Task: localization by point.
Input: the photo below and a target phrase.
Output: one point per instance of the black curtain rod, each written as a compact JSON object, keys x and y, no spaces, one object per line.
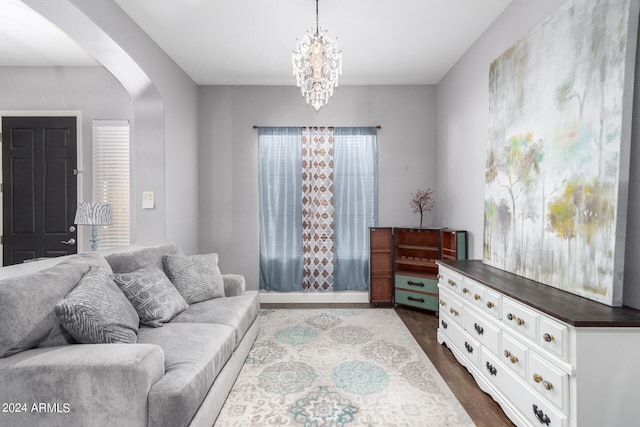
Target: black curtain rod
{"x":377,"y":126}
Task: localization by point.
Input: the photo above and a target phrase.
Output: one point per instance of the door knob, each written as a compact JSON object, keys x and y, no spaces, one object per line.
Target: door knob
{"x":69,"y":242}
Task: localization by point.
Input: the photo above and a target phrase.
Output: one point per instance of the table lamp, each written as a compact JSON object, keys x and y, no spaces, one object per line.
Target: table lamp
{"x":94,"y":214}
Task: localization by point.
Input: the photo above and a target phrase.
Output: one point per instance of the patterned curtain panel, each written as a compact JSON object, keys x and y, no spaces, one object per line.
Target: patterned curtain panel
{"x":317,"y":209}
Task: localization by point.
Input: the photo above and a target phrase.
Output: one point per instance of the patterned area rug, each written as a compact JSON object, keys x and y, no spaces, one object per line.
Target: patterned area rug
{"x":333,"y":367}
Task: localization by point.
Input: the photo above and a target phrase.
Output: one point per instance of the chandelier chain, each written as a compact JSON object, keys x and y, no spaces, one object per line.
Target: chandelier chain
{"x":317,"y":19}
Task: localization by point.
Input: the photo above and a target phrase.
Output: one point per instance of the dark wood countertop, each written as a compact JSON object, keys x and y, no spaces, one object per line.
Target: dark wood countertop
{"x":564,"y":306}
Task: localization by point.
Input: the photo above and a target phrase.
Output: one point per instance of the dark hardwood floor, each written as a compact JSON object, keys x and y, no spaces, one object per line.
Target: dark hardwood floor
{"x":423,"y":325}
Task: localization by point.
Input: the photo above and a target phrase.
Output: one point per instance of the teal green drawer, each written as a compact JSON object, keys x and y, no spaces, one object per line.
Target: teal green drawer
{"x":416,"y":284}
{"x":428,"y":302}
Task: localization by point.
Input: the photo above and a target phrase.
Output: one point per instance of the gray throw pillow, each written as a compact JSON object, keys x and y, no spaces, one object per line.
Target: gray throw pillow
{"x":152,"y":295}
{"x":126,"y":262}
{"x":96,"y":312}
{"x":27,"y":304}
{"x":196,"y":277}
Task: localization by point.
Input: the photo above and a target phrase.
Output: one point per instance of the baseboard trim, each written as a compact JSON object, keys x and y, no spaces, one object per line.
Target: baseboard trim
{"x":269,"y":297}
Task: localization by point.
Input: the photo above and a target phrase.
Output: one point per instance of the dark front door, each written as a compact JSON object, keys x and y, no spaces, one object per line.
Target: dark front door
{"x":39,"y":187}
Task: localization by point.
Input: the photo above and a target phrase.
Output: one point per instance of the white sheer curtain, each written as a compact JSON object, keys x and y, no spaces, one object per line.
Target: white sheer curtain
{"x":280,"y":171}
{"x":354,"y":201}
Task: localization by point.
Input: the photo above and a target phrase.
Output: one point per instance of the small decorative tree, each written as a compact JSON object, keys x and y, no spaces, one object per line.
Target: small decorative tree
{"x":422,"y":201}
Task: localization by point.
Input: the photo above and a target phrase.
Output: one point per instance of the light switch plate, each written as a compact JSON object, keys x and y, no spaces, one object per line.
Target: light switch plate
{"x":148,"y":201}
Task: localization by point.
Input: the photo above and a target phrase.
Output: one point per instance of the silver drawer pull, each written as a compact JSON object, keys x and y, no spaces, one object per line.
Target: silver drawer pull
{"x":479,"y":329}
{"x":468,"y":347}
{"x":541,"y":416}
{"x":492,"y":370}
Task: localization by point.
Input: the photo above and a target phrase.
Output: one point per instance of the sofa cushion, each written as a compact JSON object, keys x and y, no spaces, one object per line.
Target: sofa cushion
{"x":194,"y":354}
{"x":126,"y":262}
{"x":234,"y":284}
{"x":239,"y":312}
{"x":196,"y":277}
{"x":93,"y":258}
{"x":96,"y":312}
{"x":27,"y":314}
{"x":99,"y":384}
{"x":35,"y":266}
{"x":152,"y":295}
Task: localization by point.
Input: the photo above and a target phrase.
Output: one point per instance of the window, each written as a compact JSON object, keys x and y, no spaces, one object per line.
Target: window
{"x":111,"y":183}
{"x":318,"y":197}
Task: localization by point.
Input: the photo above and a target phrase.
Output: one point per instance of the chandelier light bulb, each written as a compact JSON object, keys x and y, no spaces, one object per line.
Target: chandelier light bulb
{"x":317,"y":63}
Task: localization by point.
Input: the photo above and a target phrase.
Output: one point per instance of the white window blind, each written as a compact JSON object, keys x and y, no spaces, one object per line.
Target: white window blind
{"x":111,"y":178}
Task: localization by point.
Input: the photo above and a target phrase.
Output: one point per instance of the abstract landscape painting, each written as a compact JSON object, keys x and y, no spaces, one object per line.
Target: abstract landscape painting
{"x":557,"y":168}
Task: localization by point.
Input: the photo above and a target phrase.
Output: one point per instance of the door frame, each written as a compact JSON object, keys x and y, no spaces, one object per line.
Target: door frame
{"x":79,"y":141}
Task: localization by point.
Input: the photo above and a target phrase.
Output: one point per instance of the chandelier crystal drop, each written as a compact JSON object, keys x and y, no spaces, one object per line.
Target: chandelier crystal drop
{"x":317,"y":63}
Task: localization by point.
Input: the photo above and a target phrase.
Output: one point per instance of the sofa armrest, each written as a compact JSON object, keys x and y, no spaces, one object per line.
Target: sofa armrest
{"x":234,"y":284}
{"x":80,"y":384}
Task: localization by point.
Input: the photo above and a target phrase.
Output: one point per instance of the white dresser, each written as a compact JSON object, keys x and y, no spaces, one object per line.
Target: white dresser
{"x":548,"y":357}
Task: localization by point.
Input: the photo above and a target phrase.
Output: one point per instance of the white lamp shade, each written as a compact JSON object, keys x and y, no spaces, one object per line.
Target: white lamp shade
{"x":94,"y":214}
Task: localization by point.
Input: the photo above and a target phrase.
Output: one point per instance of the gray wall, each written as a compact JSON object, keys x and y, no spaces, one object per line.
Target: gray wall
{"x":229,"y":155}
{"x":165,"y":139}
{"x":91,"y":90}
{"x":462,"y":109}
{"x":463,"y":113}
{"x":169,"y":164}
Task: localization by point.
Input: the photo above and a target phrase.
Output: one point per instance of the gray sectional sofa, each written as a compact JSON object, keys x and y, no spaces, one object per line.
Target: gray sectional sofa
{"x":175,"y":375}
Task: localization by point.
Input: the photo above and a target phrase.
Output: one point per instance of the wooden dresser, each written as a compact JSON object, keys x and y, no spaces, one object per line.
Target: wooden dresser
{"x":548,"y":357}
{"x":416,"y":251}
{"x":402,"y":263}
{"x":380,"y":266}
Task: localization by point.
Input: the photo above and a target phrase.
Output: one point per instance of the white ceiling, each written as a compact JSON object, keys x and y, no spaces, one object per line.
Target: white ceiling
{"x":249,"y":42}
{"x":26,"y":38}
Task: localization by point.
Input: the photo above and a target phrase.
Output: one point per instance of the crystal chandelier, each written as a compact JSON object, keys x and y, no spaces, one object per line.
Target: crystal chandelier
{"x":317,"y":63}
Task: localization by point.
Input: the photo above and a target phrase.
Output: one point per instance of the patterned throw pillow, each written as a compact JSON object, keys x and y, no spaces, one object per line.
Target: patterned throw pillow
{"x":96,"y":312}
{"x":196,"y":277}
{"x":152,"y":295}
